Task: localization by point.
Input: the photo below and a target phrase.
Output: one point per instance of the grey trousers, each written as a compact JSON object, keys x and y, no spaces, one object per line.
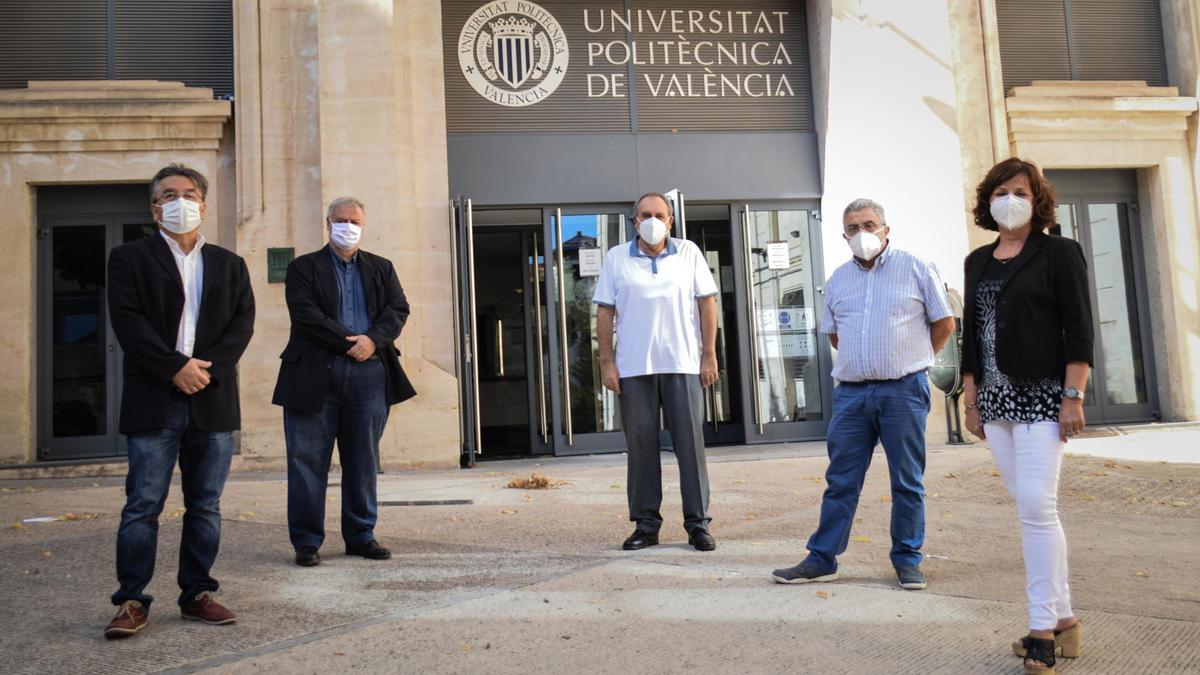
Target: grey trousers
{"x":682,"y":401}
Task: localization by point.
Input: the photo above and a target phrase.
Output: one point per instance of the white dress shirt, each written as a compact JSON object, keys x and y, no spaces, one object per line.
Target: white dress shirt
{"x":191,"y":270}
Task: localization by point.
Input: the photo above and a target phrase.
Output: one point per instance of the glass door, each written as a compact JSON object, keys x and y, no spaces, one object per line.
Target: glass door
{"x":788,"y":376}
{"x":1119,"y":389}
{"x":586,"y":416}
{"x":80,"y":360}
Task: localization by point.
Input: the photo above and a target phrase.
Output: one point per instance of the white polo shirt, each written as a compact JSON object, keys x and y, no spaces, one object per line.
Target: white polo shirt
{"x":658,"y":322}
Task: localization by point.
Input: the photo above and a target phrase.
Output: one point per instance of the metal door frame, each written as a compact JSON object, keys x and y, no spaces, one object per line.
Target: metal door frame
{"x":1097,"y":411}
{"x":112,"y":444}
{"x":747,"y":347}
{"x":566,"y":442}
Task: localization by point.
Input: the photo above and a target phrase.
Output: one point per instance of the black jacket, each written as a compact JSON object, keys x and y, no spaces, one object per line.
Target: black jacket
{"x":311,"y":290}
{"x":1044,"y":313}
{"x":145,"y":303}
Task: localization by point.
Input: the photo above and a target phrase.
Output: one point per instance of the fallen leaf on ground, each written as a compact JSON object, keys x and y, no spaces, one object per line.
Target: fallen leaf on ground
{"x":1097,"y":474}
{"x":885,"y":498}
{"x":739,"y":482}
{"x":824,"y":595}
{"x":79,"y":516}
{"x":245,"y":515}
{"x":46,"y":553}
{"x":757,"y":543}
{"x":948,"y":516}
{"x":536,"y":481}
{"x":1141,"y":573}
{"x":615,"y":486}
{"x":995,"y":472}
{"x":18,"y":526}
{"x":467,"y":647}
{"x":1181,"y":502}
{"x":950,"y":475}
{"x":508,"y":511}
{"x":861,"y":538}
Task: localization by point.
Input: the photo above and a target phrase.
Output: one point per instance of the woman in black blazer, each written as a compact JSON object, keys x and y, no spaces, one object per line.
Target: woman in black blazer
{"x":1027,"y":352}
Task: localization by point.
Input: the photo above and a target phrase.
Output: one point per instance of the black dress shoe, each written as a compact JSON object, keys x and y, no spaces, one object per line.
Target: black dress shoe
{"x":702,"y":540}
{"x":639,"y":540}
{"x":371,"y":550}
{"x":307,"y":556}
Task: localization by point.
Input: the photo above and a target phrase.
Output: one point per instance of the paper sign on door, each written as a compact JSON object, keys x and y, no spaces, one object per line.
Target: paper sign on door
{"x":778,"y":256}
{"x":589,"y":262}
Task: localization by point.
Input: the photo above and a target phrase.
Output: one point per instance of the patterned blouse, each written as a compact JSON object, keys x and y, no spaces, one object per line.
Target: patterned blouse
{"x":1004,"y":398}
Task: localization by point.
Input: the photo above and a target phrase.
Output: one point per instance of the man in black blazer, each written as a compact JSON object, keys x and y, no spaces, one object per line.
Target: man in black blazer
{"x":340,"y":374}
{"x":183,"y":311}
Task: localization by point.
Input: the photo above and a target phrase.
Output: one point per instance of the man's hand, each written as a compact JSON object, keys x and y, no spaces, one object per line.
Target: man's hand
{"x":363,"y":349}
{"x":193,"y":376}
{"x":708,"y":369}
{"x":609,"y":376}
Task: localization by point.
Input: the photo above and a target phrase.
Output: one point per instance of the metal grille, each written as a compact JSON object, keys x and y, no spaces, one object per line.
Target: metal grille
{"x":177,"y":40}
{"x":1118,"y":40}
{"x":64,"y":40}
{"x":1080,"y":40}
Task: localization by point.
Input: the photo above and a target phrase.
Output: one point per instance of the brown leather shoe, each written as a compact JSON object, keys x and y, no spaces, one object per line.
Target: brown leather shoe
{"x":129,"y":620}
{"x":204,"y":608}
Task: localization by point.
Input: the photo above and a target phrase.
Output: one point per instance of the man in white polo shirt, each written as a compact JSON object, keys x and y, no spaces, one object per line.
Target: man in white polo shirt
{"x":663,"y":297}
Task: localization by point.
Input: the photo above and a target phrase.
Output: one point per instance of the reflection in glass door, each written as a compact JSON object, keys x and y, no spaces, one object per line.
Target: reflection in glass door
{"x":788,"y":375}
{"x":587,"y":415}
{"x":1118,"y":390}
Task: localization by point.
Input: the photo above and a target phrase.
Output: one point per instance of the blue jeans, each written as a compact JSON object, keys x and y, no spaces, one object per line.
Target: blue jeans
{"x":864,"y":414}
{"x":354,"y":414}
{"x":204,"y":459}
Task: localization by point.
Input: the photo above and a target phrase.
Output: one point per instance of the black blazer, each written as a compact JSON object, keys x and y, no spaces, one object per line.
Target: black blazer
{"x":311,"y":290}
{"x":1044,"y":313}
{"x":145,"y":303}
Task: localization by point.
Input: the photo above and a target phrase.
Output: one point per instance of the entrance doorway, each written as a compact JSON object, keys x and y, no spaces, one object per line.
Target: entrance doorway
{"x":1099,"y":209}
{"x":79,"y":360}
{"x":528,"y":357}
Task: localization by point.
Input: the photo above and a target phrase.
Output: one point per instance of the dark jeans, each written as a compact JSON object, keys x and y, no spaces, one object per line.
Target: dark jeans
{"x":893,"y":412}
{"x":354,"y":414}
{"x":682,"y":402}
{"x":204,"y":459}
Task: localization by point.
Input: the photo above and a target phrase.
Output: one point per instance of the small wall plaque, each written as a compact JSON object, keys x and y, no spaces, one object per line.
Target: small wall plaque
{"x":277,"y":263}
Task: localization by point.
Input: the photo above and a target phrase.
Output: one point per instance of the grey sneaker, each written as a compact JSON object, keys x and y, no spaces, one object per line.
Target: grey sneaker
{"x":805,"y":572}
{"x":911,"y":578}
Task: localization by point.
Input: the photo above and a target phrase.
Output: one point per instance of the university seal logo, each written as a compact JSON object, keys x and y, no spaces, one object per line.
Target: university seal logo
{"x":513,"y":53}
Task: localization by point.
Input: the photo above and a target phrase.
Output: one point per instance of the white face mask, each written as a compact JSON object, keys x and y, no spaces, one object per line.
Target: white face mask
{"x":180,"y":216}
{"x":866,"y":245}
{"x":1011,"y":212}
{"x":345,"y":235}
{"x":652,"y":231}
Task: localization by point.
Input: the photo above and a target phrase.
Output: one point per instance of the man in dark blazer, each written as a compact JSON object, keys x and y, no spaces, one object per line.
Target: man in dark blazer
{"x":340,"y":375}
{"x":183,"y":311}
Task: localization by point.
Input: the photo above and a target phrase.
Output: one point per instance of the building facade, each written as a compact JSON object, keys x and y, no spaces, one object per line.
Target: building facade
{"x":498,"y":147}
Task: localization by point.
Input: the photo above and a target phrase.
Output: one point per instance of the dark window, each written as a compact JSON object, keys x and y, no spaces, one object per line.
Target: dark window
{"x":175,"y":40}
{"x":1080,"y":40}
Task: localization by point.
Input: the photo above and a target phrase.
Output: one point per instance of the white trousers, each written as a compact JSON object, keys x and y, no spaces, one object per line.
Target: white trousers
{"x":1029,"y":457}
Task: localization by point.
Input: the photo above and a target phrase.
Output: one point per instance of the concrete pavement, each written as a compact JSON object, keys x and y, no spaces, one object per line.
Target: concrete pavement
{"x":535,"y":581}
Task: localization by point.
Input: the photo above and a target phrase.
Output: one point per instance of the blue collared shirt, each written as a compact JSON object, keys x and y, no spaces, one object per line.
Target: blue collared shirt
{"x":352,"y":299}
{"x":882,"y":316}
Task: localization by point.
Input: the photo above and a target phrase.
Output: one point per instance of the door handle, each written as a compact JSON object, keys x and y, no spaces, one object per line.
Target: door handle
{"x":474,"y":326}
{"x":562,"y":329}
{"x":537,"y":312}
{"x":752,"y":306}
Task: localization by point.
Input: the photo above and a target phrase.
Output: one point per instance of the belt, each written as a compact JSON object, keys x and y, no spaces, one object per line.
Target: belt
{"x":373,"y":357}
{"x":898,"y":379}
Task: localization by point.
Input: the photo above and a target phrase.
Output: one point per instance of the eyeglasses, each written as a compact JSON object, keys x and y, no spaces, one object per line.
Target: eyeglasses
{"x":869,"y":226}
{"x":171,"y":195}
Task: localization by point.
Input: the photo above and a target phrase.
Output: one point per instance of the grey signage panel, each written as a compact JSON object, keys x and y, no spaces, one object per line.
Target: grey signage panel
{"x":638,"y":65}
{"x":511,"y":169}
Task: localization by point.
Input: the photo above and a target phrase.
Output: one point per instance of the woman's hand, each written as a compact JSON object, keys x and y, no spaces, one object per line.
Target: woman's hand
{"x":1070,"y":418}
{"x":973,"y":424}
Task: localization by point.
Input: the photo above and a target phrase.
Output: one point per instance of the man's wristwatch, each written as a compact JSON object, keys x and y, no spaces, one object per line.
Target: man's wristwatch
{"x":1072,"y":392}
